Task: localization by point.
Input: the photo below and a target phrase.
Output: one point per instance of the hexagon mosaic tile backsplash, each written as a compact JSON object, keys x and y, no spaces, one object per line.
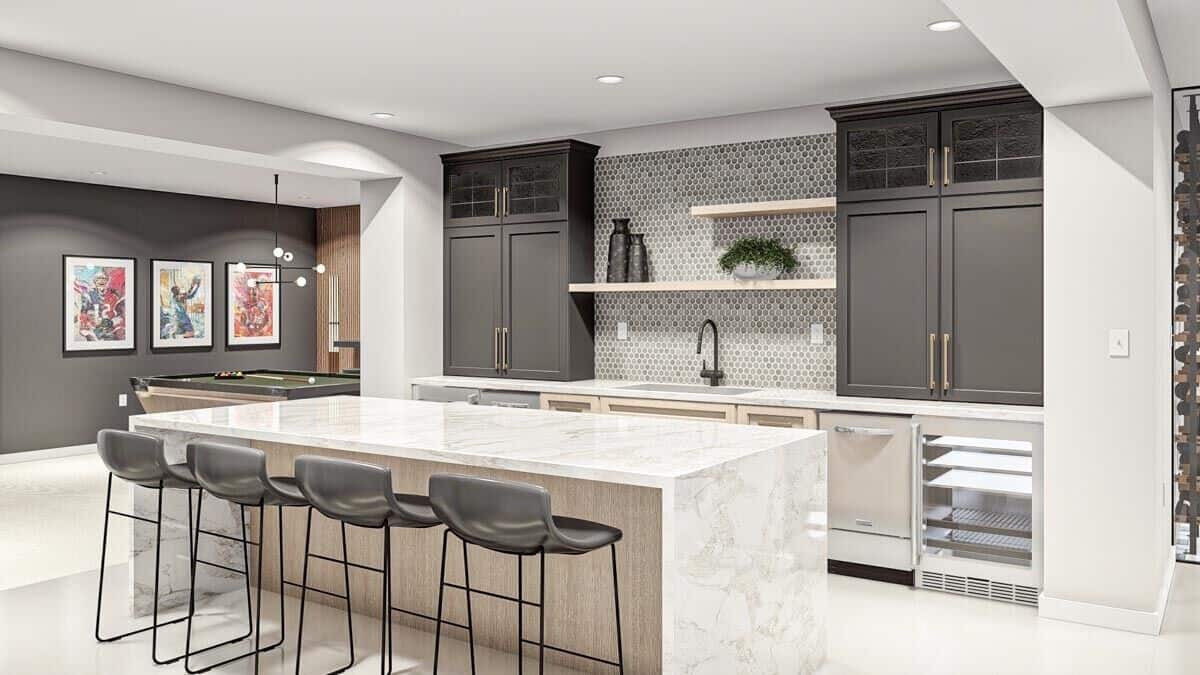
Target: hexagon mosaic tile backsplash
{"x":764,"y":335}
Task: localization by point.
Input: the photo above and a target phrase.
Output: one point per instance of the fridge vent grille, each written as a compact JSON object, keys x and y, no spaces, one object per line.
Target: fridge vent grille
{"x":980,"y":588}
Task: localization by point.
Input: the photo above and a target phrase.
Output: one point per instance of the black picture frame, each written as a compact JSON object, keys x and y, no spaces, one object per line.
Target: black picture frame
{"x":229,"y":344}
{"x":152,"y":313}
{"x":130,"y":301}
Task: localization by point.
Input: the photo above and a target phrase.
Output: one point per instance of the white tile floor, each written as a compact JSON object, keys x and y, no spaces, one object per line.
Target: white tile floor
{"x":873,"y":628}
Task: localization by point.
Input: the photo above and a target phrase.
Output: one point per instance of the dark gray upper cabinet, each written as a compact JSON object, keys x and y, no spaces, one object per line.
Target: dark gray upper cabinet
{"x":507,"y":309}
{"x":992,"y":149}
{"x":888,"y":158}
{"x":991,"y":297}
{"x":951,"y":144}
{"x":940,"y":284}
{"x":888,"y":298}
{"x":473,"y":194}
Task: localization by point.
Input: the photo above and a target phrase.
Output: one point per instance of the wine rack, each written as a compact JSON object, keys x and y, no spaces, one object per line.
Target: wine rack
{"x":1186,"y":380}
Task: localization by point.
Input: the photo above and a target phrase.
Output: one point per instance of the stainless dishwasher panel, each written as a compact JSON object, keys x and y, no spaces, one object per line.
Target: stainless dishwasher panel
{"x":870,"y":473}
{"x":425,"y":392}
{"x":510,"y":399}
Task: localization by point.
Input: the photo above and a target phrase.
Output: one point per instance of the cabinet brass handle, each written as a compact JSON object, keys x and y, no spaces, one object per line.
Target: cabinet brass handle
{"x":945,"y":363}
{"x":506,"y":202}
{"x":932,"y":161}
{"x":496,"y":350}
{"x":504,"y":348}
{"x":946,"y":165}
{"x":496,"y":203}
{"x":932,"y":356}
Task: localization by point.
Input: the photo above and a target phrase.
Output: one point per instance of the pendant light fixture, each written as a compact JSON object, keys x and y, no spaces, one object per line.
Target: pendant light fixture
{"x":279,"y":254}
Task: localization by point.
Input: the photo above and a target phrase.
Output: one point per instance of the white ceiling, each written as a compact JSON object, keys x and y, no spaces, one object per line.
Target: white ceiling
{"x":45,"y":156}
{"x":479,"y":73}
{"x":1177,"y":24}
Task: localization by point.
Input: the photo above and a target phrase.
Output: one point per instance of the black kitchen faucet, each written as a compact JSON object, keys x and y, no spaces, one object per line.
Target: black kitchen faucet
{"x":715,"y":374}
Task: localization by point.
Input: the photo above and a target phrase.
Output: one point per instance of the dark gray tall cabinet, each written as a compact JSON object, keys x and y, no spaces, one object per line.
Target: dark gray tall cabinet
{"x":939,"y":245}
{"x":518,"y":229}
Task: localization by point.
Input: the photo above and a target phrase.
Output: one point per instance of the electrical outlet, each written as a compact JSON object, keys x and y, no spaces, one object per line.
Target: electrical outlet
{"x":122,"y":400}
{"x":1118,"y":342}
{"x":622,"y":330}
{"x":816,"y":334}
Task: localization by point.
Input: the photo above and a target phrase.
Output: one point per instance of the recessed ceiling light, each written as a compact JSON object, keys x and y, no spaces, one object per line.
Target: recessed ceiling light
{"x":610,"y":79}
{"x":945,"y":25}
{"x":382,"y":115}
{"x":99,"y":172}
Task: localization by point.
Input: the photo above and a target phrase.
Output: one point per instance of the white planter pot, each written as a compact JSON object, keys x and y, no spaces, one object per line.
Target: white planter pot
{"x":752,"y":272}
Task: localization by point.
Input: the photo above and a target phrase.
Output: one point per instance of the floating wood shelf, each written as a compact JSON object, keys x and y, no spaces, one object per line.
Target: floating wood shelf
{"x":816,"y":205}
{"x":716,"y":285}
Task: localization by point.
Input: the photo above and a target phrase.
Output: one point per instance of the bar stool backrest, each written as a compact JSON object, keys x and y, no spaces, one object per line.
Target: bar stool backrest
{"x":345,"y":490}
{"x":234,"y":473}
{"x":132,"y":456}
{"x":500,"y":515}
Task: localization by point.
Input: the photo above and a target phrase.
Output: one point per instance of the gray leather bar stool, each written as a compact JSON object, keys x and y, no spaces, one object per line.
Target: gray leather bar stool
{"x":515,"y":518}
{"x":238,"y":474}
{"x":358,"y":494}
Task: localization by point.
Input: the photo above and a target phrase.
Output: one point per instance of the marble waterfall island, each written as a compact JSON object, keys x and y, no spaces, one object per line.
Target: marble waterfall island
{"x":722,"y":566}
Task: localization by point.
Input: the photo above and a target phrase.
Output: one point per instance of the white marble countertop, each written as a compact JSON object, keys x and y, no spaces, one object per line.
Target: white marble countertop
{"x":621,"y":449}
{"x":788,"y":398}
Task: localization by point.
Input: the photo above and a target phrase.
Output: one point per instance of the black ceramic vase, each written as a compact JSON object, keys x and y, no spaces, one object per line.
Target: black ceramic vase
{"x":618,"y":251}
{"x":639,"y":268}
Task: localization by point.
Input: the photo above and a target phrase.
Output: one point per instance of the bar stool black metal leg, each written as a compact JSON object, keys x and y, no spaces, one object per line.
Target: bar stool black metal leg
{"x":303,"y":590}
{"x":187,"y":645}
{"x":103,"y":552}
{"x":385,"y":611}
{"x":349,"y":607}
{"x":262,"y":528}
{"x":617,"y":611}
{"x":157,"y":555}
{"x":470,"y":622}
{"x":387,"y":576}
{"x":437,"y":640}
{"x":520,"y":615}
{"x":542,"y":613}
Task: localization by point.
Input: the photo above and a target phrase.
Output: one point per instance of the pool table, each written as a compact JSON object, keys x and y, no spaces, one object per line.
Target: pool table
{"x":165,"y":393}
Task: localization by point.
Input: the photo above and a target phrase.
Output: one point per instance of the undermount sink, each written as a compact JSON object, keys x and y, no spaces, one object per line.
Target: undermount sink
{"x":690,"y":389}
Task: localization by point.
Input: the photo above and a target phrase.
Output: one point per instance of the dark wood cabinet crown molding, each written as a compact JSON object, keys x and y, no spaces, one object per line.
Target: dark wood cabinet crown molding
{"x":915,"y":104}
{"x":526,"y":150}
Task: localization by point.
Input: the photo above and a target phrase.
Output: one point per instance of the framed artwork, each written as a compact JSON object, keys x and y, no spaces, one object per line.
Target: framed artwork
{"x":182,"y":302}
{"x":252,"y":308}
{"x":99,"y":304}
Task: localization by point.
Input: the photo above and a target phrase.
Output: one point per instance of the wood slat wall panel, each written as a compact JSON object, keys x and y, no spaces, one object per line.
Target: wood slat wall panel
{"x":338,"y":247}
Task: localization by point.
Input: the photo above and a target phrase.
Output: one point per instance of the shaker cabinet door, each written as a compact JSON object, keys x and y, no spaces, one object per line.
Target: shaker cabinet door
{"x":472,"y":303}
{"x":535,"y":301}
{"x":888,"y":158}
{"x":887,"y":298}
{"x":472,"y":194}
{"x":991,"y":308}
{"x":992,"y":149}
{"x":534,"y":190}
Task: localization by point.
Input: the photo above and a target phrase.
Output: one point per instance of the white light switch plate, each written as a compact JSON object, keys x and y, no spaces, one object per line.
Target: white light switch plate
{"x":622,"y":330}
{"x":1118,"y":342}
{"x":122,"y":400}
{"x":816,"y":334}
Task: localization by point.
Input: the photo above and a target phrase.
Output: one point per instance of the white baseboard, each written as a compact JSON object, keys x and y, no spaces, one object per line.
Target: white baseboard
{"x":52,"y":453}
{"x":1118,"y":618}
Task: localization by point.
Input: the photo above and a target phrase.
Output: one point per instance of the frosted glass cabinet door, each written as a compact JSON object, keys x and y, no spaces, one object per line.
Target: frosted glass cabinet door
{"x":888,"y":158}
{"x":472,"y":194}
{"x":992,"y":149}
{"x":535,"y":189}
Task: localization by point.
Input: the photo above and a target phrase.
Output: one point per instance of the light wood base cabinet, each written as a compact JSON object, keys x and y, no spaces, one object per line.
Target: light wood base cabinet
{"x":570,"y":403}
{"x":770,"y":416}
{"x":716,"y":412}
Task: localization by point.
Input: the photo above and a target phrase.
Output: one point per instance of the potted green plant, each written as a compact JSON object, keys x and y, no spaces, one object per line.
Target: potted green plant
{"x":757,"y":258}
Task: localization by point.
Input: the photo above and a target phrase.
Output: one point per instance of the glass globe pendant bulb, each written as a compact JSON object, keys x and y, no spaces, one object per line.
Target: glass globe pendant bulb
{"x":320,"y":268}
{"x":252,"y":282}
{"x":277,"y":252}
{"x":301,"y":282}
{"x":288,"y":257}
{"x":241,"y":267}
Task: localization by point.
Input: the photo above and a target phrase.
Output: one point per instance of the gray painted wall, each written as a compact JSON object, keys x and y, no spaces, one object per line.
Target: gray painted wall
{"x":49,"y":400}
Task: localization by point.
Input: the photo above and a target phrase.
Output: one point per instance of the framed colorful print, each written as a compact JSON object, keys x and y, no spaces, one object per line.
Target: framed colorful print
{"x":252,"y":309}
{"x":182,"y":302}
{"x":99,"y":304}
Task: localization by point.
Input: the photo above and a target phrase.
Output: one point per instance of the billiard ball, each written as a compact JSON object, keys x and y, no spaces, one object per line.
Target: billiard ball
{"x":312,"y":380}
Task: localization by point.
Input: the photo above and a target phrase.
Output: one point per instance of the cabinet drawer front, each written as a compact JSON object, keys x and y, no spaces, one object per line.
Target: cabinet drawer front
{"x":715,"y":412}
{"x":570,"y":403}
{"x":767,"y":416}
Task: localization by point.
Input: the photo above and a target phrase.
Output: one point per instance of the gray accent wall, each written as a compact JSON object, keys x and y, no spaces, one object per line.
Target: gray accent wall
{"x":764,"y":335}
{"x":48,"y":399}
